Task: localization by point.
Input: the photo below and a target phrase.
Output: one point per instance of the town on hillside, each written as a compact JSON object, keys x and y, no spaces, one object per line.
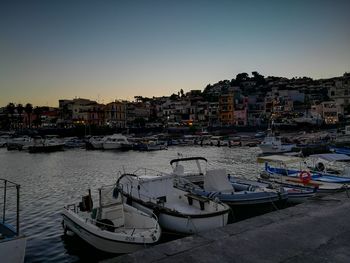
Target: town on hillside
{"x":245,"y":102}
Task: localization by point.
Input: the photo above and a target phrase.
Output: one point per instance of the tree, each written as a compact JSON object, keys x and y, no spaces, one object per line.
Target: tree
{"x":37,"y":112}
{"x":20,"y":109}
{"x":242,"y":77}
{"x":28,"y":110}
{"x":174,"y":96}
{"x":11,"y":110}
{"x":207,"y":89}
{"x":260,"y":79}
{"x":182,"y":92}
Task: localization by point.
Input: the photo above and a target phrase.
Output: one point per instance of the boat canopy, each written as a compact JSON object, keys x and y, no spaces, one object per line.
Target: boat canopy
{"x":187,"y":159}
{"x":280,"y":159}
{"x":332,"y":157}
{"x":217,"y":180}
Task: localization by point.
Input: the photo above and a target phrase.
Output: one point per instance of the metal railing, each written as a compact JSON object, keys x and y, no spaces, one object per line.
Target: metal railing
{"x":6,"y":184}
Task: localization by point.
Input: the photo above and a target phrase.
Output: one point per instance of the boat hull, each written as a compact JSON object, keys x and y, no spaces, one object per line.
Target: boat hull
{"x":112,"y":146}
{"x":46,"y":148}
{"x":268,"y":148}
{"x":13,"y":250}
{"x":98,"y":239}
{"x":183,"y":223}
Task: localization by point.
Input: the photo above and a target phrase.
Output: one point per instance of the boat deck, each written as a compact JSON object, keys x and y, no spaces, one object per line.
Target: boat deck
{"x":131,"y":231}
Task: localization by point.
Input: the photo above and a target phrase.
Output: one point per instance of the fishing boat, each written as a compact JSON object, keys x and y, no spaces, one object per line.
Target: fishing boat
{"x":217,"y":184}
{"x":74,"y":142}
{"x":178,"y":211}
{"x":116,"y":141}
{"x":340,"y":150}
{"x":49,"y":144}
{"x":315,"y":173}
{"x":113,"y":226}
{"x":19,"y":143}
{"x":296,"y":194}
{"x":290,"y":177}
{"x":12,"y":242}
{"x":152,"y":145}
{"x":274,"y":144}
{"x":95,"y":142}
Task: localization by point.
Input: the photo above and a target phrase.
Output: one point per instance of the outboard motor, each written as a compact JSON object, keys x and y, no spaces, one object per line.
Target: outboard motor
{"x":320,"y":167}
{"x":86,"y":204}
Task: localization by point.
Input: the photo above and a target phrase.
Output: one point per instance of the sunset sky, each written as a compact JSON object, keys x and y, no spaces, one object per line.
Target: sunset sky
{"x":104,"y":50}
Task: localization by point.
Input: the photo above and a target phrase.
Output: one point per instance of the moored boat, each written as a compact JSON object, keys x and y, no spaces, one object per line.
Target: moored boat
{"x":48,"y":144}
{"x":298,"y":177}
{"x":274,"y":144}
{"x":113,"y":226}
{"x":19,"y":143}
{"x":178,"y":211}
{"x":116,"y":141}
{"x":217,"y":184}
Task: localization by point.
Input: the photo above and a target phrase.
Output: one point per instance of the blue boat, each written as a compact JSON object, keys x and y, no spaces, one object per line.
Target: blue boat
{"x":217,"y":185}
{"x":316,"y":176}
{"x":326,"y":184}
{"x":296,"y":194}
{"x":340,"y":150}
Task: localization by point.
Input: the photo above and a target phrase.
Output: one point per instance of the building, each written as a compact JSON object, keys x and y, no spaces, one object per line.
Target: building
{"x":115,"y":114}
{"x":226,"y":109}
{"x":330,"y":112}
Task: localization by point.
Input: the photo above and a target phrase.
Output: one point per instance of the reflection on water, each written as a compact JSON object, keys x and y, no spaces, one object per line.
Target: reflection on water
{"x":49,"y":181}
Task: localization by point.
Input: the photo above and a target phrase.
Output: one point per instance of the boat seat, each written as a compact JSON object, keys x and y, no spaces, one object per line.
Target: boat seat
{"x":201,"y":200}
{"x":115,"y":214}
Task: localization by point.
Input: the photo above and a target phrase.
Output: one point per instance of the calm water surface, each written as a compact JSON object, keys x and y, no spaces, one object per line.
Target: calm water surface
{"x":50,"y":181}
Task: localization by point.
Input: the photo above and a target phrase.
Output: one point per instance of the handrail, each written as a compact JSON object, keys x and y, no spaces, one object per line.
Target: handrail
{"x":5,"y":187}
{"x":94,"y":221}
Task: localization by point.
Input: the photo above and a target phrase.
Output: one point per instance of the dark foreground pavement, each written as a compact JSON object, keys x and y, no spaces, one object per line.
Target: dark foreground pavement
{"x":316,"y":231}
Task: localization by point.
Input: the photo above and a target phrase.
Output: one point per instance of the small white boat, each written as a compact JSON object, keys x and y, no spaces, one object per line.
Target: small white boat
{"x":152,"y":145}
{"x":3,"y":140}
{"x":116,"y":141}
{"x":113,"y":227}
{"x":273,"y":144}
{"x":177,"y":210}
{"x":12,"y":242}
{"x":96,"y":142}
{"x":19,"y":143}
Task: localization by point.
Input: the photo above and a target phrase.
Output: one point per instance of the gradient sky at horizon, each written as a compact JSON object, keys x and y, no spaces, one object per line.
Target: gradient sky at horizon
{"x":105,"y":50}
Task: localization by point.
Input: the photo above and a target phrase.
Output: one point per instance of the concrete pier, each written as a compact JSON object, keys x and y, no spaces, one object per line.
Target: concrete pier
{"x":316,"y":231}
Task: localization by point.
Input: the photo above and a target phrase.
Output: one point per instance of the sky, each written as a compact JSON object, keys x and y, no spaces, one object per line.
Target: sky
{"x":106,"y":50}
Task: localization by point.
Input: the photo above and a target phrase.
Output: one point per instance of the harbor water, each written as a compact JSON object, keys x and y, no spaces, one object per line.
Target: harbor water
{"x":51,"y":180}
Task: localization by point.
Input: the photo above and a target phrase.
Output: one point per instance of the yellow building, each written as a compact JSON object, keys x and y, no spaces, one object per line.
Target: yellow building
{"x":226,"y":109}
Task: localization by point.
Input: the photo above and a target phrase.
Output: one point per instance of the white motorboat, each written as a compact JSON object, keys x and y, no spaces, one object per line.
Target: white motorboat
{"x":12,"y":242}
{"x":195,"y":168}
{"x":116,"y":141}
{"x":3,"y":140}
{"x":273,"y":144}
{"x":114,"y":226}
{"x":152,"y":145}
{"x":96,"y":142}
{"x":19,"y":143}
{"x":178,"y":211}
